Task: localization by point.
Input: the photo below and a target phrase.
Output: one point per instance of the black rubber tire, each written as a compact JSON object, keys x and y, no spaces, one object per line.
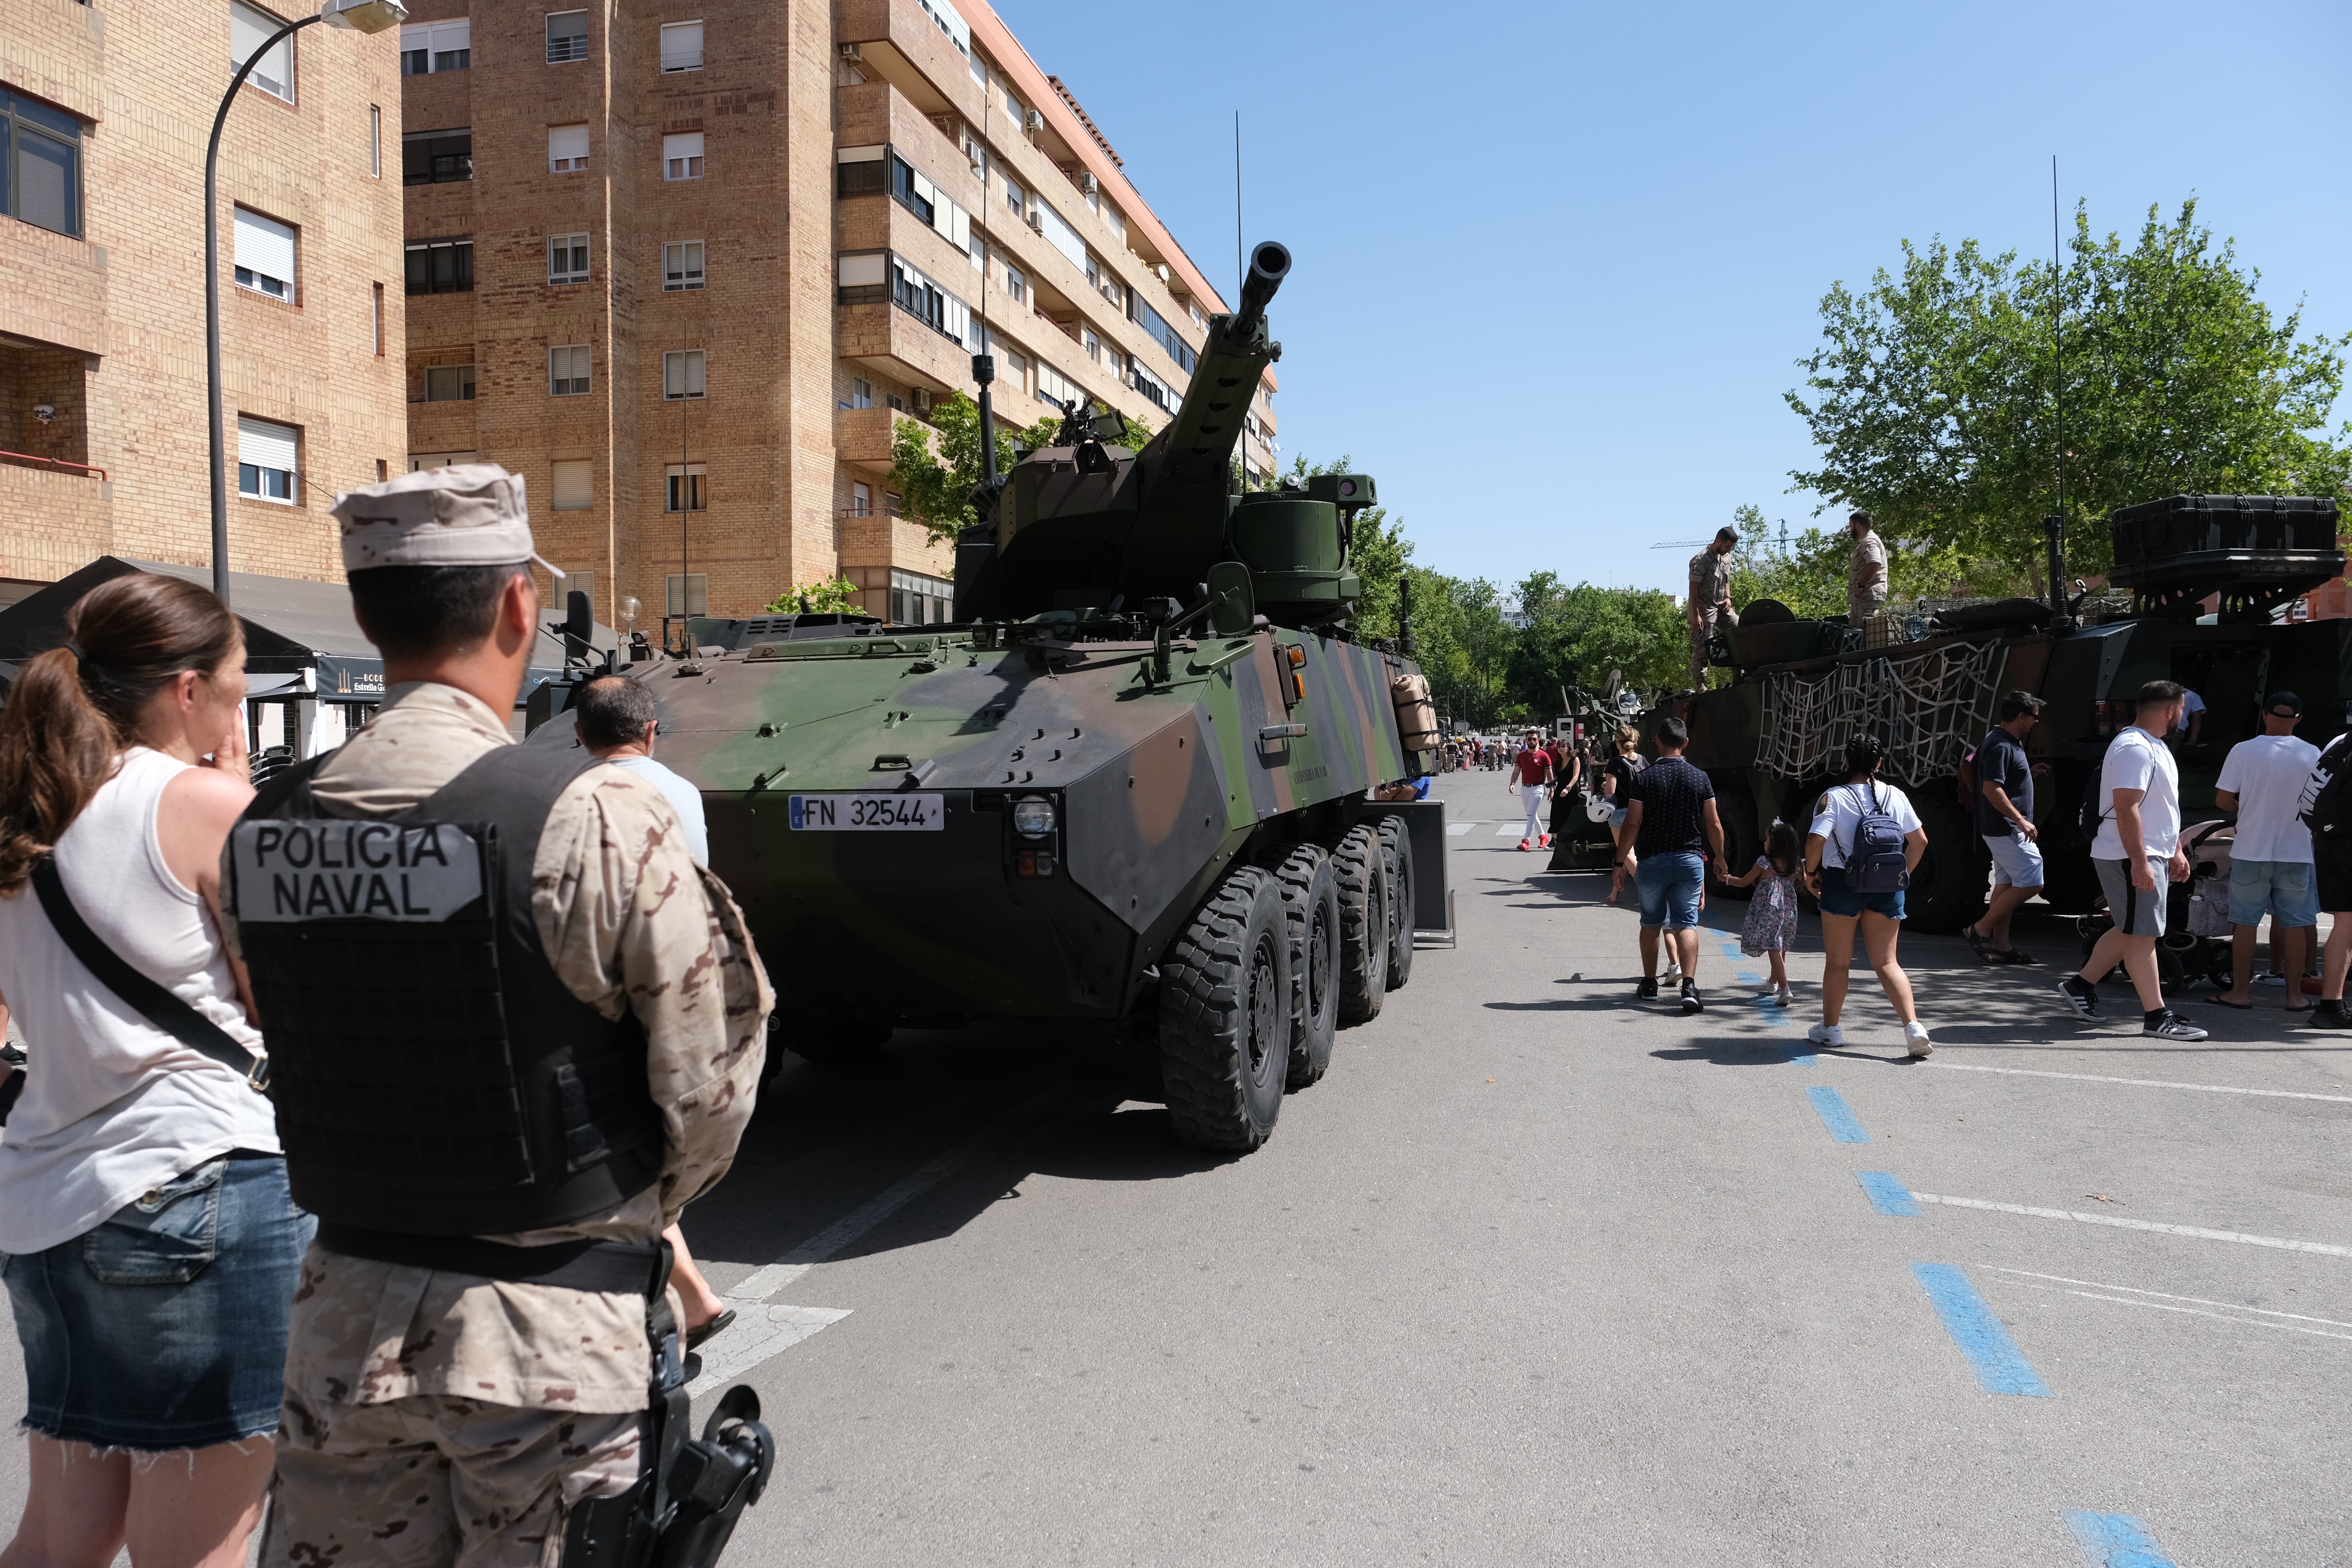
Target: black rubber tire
{"x":1224,"y":1015}
{"x":1310,"y":905}
{"x":826,"y":1041}
{"x":1735,"y":807}
{"x":1361,"y":871}
{"x":1947,"y":889}
{"x":1396,"y":850}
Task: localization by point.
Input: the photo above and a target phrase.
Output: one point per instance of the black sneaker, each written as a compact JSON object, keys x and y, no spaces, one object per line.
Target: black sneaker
{"x":2172,"y":1026}
{"x":2330,"y":1016}
{"x":1648,"y":990}
{"x":1691,"y":1004}
{"x":2082,"y":998}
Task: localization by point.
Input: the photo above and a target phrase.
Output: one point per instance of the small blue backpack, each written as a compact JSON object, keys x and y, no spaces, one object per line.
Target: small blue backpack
{"x":1874,"y":862}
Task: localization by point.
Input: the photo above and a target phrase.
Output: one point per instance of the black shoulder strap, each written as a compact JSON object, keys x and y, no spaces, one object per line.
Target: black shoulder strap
{"x":150,"y":1000}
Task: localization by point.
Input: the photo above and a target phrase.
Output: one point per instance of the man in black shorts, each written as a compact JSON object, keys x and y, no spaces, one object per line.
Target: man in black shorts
{"x":2331,"y":853}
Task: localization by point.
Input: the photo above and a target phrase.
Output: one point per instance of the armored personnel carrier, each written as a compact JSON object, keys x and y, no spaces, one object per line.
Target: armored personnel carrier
{"x":1129,"y":786}
{"x":1774,"y":738}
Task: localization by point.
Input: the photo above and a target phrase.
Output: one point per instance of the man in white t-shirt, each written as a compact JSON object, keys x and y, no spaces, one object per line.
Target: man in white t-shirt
{"x":2189,"y":728}
{"x":2135,"y":853}
{"x":615,"y":719}
{"x":2271,"y":870}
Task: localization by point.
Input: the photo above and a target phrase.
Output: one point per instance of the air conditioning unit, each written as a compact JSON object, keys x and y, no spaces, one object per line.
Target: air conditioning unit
{"x":922,"y":401}
{"x":850,"y":52}
{"x":1089,"y":184}
{"x":1031,"y":122}
{"x":1036,"y":217}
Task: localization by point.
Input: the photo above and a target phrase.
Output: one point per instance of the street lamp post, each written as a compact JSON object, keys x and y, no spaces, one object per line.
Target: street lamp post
{"x":359,"y":17}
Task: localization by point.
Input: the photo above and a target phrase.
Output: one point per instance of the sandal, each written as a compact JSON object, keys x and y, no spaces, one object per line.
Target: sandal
{"x":2005,"y":955}
{"x":696,"y":1337}
{"x":1976,"y":939}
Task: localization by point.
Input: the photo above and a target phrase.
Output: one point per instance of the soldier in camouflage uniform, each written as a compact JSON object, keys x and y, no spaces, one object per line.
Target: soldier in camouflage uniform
{"x":1710,"y":599}
{"x":432,"y":1415}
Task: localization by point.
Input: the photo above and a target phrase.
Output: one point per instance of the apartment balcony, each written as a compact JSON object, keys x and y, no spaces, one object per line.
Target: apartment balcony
{"x":900,"y":346}
{"x":897,"y":42}
{"x":862,"y":436}
{"x":449,"y":426}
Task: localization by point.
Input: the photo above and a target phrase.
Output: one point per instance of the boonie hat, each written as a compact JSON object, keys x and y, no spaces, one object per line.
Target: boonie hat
{"x":467,"y":514}
{"x":2284,"y":704}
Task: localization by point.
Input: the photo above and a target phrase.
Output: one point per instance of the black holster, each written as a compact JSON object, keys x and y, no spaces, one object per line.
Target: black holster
{"x":686,"y":1499}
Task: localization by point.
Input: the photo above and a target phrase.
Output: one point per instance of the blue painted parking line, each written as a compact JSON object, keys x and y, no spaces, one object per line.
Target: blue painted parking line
{"x":2116,"y":1540}
{"x":2001,"y":1367}
{"x":1889,"y":1195}
{"x":1836,"y":1115}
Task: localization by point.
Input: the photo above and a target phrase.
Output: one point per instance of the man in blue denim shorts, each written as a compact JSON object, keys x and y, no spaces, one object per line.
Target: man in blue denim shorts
{"x":1670,"y":820}
{"x":2271,"y":869}
{"x":2005,"y":822}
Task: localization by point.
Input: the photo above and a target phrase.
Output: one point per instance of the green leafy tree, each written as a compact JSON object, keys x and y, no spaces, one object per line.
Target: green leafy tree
{"x":1935,"y":397}
{"x":826,"y":595}
{"x":934,"y":468}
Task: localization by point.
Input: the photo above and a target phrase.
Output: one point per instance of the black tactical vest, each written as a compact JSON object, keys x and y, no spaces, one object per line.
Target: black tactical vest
{"x":432,"y":1075}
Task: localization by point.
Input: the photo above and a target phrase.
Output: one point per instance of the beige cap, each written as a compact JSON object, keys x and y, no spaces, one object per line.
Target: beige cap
{"x":469,"y":514}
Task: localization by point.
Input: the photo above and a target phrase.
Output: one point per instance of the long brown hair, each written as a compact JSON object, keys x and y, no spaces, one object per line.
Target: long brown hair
{"x":72,"y":713}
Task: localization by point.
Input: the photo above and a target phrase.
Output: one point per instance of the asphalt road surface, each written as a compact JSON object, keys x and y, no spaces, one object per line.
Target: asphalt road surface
{"x":1541,"y":1274}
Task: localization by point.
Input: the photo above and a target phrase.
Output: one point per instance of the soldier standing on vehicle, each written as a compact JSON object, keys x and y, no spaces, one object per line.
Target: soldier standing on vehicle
{"x":1866,"y":574}
{"x":1710,"y":599}
{"x":470,"y":1346}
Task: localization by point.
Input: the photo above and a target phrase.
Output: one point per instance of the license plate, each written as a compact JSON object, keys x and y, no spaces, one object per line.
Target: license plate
{"x":869,"y":813}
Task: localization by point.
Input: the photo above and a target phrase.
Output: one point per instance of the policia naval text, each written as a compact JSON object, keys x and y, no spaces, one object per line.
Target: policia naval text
{"x":292,"y":870}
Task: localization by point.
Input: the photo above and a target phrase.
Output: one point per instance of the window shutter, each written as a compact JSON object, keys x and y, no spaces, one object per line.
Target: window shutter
{"x":684,"y":145}
{"x":575,"y":485}
{"x":265,"y":445}
{"x":681,"y":46}
{"x":265,"y":245}
{"x":566,"y":144}
{"x":862,"y":271}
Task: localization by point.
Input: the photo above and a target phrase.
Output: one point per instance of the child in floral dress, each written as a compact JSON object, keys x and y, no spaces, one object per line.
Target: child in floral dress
{"x":1772,"y":919}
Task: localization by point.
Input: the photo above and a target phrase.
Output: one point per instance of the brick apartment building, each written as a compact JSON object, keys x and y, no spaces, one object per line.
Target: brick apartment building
{"x":104,"y":112}
{"x":684,"y":266}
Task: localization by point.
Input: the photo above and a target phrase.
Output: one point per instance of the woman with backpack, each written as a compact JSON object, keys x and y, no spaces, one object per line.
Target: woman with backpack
{"x":1865,"y":844}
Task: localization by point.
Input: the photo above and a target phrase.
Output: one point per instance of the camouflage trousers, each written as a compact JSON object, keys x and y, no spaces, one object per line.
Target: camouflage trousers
{"x":432,"y":1480}
{"x":1712,"y":619}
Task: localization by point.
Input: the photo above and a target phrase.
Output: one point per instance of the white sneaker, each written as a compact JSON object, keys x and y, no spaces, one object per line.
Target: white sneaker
{"x":1914,"y":1035}
{"x":1786,"y":998}
{"x":1825,"y":1034}
{"x":1674,"y":969}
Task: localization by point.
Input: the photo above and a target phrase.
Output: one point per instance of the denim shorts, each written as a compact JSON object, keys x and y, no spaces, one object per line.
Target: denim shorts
{"x":1670,"y":886}
{"x":2016,"y":862}
{"x":2285,"y":890}
{"x":164,"y":1328}
{"x":1837,"y":899}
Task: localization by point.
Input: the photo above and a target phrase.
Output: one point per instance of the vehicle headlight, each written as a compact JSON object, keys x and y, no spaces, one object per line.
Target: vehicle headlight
{"x":1032,"y":818}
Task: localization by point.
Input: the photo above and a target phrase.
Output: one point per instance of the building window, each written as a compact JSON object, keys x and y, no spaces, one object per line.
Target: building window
{"x":892,"y":400}
{"x":379,"y":320}
{"x":265,"y":460}
{"x":441,"y":267}
{"x":575,"y":491}
{"x":567,"y":371}
{"x":437,"y":47}
{"x":686,"y":491}
{"x":861,"y":172}
{"x":861,"y":392}
{"x":1016,"y":370}
{"x":1012,"y":197}
{"x":916,"y":600}
{"x":40,"y":164}
{"x":417,"y":460}
{"x":682,"y":371}
{"x":567,"y":37}
{"x":567,"y":259}
{"x":681,"y":46}
{"x":1091,"y":341}
{"x":681,"y":264}
{"x":436,"y":157}
{"x":567,"y":149}
{"x":449,"y":384}
{"x":1016,"y":286}
{"x":894,"y":504}
{"x":248,"y":28}
{"x":685,"y":593}
{"x":861,"y":498}
{"x":682,"y":156}
{"x":375,"y":141}
{"x":265,"y":256}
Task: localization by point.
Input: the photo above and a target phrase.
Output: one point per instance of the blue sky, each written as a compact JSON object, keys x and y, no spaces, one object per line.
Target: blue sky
{"x":1553,"y":263}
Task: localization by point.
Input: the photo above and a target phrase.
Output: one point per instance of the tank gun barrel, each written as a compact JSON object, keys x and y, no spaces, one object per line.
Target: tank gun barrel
{"x":1269,"y":265}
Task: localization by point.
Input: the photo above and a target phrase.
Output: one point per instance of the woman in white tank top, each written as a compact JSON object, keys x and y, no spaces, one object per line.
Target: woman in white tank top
{"x":150,"y":1247}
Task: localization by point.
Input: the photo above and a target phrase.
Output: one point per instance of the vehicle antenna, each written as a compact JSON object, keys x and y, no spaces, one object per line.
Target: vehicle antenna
{"x":1241,"y":266}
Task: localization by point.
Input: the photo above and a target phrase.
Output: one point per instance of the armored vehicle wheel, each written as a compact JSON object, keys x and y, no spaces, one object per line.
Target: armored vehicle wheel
{"x":1310,"y":901}
{"x":1362,"y":873}
{"x":1396,"y":851}
{"x":1735,"y":807}
{"x":1947,"y":890}
{"x":1224,"y":1015}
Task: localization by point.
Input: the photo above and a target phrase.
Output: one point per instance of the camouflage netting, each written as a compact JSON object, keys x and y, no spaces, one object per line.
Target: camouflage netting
{"x":1923,"y":704}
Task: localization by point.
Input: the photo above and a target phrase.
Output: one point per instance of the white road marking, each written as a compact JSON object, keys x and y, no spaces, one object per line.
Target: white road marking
{"x":2191,"y":1311}
{"x":1456,"y":829}
{"x":2322,"y":1246}
{"x":1507,"y":830}
{"x":2169,"y":1296}
{"x":758,"y":1333}
{"x":2143,"y":1082}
